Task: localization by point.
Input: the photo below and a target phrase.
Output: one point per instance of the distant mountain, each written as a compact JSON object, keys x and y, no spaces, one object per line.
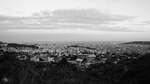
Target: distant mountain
{"x":82,"y":47}
{"x":21,"y":45}
{"x":138,"y":42}
{"x":1,"y":42}
{"x":18,"y":45}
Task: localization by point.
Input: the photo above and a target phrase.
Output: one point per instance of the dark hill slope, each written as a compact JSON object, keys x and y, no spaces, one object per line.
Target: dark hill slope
{"x":21,"y":45}
{"x":138,"y":42}
{"x":13,"y":71}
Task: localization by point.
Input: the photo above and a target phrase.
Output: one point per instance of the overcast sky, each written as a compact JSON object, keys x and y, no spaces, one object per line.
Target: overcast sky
{"x":74,"y":20}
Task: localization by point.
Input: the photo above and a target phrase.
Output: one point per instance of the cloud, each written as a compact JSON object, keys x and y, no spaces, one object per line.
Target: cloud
{"x":147,"y":22}
{"x":82,"y":16}
{"x":90,"y":19}
{"x":87,"y":16}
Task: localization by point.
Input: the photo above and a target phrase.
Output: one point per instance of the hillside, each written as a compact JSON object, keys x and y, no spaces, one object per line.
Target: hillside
{"x":138,"y":42}
{"x":18,"y":45}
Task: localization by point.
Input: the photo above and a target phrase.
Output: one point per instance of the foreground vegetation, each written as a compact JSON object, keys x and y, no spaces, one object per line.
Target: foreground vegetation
{"x":13,"y":71}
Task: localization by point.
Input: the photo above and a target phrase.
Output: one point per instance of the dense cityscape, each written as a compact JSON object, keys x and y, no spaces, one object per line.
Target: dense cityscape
{"x":85,"y":57}
{"x":76,"y":54}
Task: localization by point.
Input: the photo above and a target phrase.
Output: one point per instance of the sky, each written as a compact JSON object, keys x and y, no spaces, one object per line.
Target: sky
{"x":74,"y":20}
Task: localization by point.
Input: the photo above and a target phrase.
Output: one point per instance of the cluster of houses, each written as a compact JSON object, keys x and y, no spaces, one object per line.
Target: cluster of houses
{"x":74,"y":59}
{"x":82,"y":56}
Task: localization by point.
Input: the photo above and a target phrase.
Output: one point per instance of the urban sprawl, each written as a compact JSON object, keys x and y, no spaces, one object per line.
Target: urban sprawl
{"x":77,"y":54}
